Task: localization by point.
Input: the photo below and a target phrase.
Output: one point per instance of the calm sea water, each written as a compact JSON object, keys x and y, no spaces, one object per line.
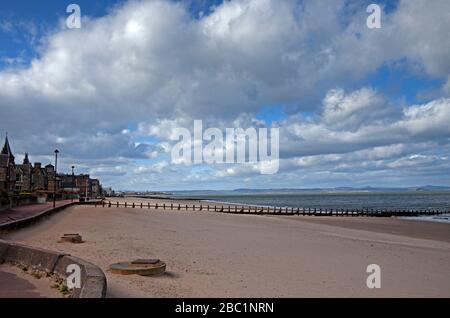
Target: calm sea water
{"x":416,"y":201}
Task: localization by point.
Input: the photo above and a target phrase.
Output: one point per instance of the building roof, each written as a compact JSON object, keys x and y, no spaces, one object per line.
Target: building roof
{"x":7,"y":150}
{"x":3,"y":160}
{"x":26,"y":161}
{"x":25,"y":167}
{"x":42,"y":171}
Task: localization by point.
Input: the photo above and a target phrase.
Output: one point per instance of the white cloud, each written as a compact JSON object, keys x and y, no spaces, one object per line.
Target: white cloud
{"x":345,"y":128}
{"x":150,"y":64}
{"x":362,"y":107}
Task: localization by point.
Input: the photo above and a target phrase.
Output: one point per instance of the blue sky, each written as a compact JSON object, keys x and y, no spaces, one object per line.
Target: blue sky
{"x":43,"y":16}
{"x":355,"y":106}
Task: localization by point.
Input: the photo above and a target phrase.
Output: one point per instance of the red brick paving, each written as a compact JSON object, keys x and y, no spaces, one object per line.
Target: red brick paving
{"x":26,"y":211}
{"x":12,"y":286}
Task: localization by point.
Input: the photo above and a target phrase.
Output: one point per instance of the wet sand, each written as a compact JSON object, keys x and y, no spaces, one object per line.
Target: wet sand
{"x":397,"y":226}
{"x":224,"y":255}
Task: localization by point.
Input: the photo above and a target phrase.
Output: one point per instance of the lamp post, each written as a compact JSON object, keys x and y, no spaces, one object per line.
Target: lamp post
{"x":54,"y":180}
{"x":73,"y":181}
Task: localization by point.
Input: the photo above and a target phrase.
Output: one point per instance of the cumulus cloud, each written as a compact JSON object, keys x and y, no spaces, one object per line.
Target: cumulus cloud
{"x":352,"y":111}
{"x":344,"y":128}
{"x":115,"y":89}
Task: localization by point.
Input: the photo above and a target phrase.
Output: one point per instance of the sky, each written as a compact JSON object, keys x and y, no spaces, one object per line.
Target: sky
{"x":355,"y":106}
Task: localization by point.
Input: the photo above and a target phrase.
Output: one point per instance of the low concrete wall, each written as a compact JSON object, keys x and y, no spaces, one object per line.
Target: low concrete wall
{"x":5,"y":227}
{"x":4,"y":204}
{"x":19,"y":201}
{"x":93,"y":280}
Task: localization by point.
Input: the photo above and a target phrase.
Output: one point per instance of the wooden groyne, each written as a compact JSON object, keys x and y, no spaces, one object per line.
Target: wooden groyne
{"x":246,"y":209}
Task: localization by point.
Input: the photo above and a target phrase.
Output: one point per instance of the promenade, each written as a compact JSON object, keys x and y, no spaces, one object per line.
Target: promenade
{"x":27,"y":211}
{"x":17,"y":284}
{"x":13,"y":283}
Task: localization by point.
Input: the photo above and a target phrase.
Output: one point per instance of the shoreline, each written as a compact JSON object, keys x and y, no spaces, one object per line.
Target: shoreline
{"x":439,"y":217}
{"x":416,"y":229}
{"x":443,"y":218}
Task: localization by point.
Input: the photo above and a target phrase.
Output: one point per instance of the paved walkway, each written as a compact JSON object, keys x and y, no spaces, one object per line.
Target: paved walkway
{"x":12,"y":286}
{"x":26,"y":211}
{"x":14,"y":283}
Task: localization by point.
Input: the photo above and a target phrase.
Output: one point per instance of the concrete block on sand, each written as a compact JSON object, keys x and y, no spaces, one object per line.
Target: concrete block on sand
{"x":34,"y":257}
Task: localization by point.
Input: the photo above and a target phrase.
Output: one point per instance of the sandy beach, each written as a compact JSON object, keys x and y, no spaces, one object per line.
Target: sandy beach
{"x":224,"y":255}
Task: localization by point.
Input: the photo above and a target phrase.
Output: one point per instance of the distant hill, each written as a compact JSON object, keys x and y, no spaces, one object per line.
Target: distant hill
{"x":368,"y":189}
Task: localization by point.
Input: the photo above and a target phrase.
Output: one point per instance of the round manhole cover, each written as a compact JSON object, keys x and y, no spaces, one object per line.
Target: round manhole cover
{"x":143,"y":267}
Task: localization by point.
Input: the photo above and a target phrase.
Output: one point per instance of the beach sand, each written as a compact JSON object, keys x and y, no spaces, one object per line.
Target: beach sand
{"x":222,"y":255}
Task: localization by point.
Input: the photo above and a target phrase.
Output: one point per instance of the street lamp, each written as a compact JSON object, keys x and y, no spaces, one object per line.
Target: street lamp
{"x":54,"y":181}
{"x":73,"y":181}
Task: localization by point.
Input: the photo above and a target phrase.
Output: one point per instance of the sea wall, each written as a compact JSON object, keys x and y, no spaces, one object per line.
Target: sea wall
{"x":15,"y":224}
{"x":93,"y":280}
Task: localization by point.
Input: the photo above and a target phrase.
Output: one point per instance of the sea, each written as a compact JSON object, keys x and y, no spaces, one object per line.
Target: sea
{"x":396,"y":201}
